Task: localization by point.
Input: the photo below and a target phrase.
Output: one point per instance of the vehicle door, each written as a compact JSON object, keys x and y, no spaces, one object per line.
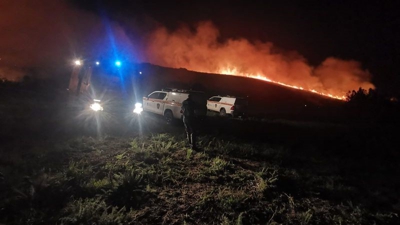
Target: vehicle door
{"x":149,"y":103}
{"x":173,"y":101}
{"x":213,"y":104}
{"x":159,"y":103}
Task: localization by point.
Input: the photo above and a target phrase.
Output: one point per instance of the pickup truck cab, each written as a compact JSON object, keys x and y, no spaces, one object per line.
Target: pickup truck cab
{"x":168,"y":103}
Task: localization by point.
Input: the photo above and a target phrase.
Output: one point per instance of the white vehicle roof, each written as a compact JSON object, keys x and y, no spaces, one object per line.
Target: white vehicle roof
{"x":176,"y":95}
{"x":226,"y":99}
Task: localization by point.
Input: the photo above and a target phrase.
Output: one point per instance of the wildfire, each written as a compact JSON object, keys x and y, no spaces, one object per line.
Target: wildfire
{"x":234,"y":72}
{"x":201,"y":50}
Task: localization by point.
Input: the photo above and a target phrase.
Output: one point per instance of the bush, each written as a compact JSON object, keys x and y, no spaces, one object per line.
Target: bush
{"x":371,"y":106}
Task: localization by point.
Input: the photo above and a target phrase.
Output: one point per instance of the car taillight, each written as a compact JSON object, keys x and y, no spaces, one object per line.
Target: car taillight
{"x":233,"y":108}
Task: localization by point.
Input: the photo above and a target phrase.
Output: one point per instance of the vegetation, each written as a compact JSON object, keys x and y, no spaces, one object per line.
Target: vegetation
{"x":155,"y":179}
{"x":56,"y":169}
{"x":371,"y":106}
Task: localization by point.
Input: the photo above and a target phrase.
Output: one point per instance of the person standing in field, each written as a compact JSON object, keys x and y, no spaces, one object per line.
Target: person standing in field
{"x":187,"y":110}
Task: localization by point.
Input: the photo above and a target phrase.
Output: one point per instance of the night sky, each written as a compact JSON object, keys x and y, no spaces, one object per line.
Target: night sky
{"x":365,"y":31}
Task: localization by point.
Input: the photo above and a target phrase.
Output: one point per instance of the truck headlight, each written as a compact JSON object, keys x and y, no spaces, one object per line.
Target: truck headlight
{"x":138,"y":108}
{"x":96,"y":106}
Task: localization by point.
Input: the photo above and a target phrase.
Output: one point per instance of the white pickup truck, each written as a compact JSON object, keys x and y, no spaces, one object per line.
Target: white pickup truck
{"x":168,"y":103}
{"x":227,"y":105}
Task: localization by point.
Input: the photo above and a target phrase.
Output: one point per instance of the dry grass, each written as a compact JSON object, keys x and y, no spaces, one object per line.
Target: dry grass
{"x":157,"y":180}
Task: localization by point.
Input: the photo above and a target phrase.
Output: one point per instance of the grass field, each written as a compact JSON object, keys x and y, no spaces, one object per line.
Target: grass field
{"x":58,"y":167}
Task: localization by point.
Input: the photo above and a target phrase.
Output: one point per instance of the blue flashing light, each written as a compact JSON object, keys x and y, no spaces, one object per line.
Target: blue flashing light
{"x":118,"y":63}
{"x":97,"y":63}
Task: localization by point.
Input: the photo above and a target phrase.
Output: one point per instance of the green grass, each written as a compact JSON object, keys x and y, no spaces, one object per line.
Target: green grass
{"x":156,"y":179}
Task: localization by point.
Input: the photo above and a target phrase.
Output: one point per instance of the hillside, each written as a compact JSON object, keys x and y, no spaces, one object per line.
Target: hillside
{"x":264,"y":97}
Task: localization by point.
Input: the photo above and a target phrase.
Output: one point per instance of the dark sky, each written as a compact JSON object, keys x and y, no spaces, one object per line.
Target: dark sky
{"x":366,"y":31}
{"x":39,"y":33}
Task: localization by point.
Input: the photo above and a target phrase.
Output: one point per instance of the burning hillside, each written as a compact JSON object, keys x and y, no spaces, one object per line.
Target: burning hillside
{"x":201,"y":51}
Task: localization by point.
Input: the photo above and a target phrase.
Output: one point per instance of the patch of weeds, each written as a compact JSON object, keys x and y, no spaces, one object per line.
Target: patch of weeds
{"x":153,"y":150}
{"x":382,"y":217}
{"x":98,"y":184}
{"x":135,"y":144}
{"x":95,"y":211}
{"x":261,"y":184}
{"x":218,"y":164}
{"x":160,"y":146}
{"x":188,"y":153}
{"x":150,"y":189}
{"x":198,"y":177}
{"x":147,"y":157}
{"x":291,"y":204}
{"x":225,"y":220}
{"x":230,"y":199}
{"x":266,"y":179}
{"x":239,"y":220}
{"x":167,"y":160}
{"x":162,"y":143}
{"x":121,"y":156}
{"x":305,"y":217}
{"x":129,"y":190}
{"x":79,"y":170}
{"x":200,"y":156}
{"x":207,"y":198}
{"x":207,"y":141}
{"x":162,"y":137}
{"x":170,"y":176}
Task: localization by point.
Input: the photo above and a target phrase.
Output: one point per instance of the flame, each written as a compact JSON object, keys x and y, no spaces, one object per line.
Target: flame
{"x":233,"y":72}
{"x":202,"y":50}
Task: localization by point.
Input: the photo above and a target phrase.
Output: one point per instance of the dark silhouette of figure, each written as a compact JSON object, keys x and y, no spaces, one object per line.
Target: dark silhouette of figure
{"x":188,"y":107}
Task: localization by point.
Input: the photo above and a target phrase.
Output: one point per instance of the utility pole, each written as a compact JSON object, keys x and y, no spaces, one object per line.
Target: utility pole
{"x":74,"y":79}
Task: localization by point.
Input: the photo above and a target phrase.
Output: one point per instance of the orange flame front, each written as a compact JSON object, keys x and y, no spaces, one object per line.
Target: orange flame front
{"x":202,"y":51}
{"x":264,"y":78}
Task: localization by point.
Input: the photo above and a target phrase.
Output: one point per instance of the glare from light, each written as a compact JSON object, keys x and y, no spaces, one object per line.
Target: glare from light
{"x":97,"y":63}
{"x":96,"y":107}
{"x":140,"y":72}
{"x":78,"y":62}
{"x":118,"y":63}
{"x":138,"y":108}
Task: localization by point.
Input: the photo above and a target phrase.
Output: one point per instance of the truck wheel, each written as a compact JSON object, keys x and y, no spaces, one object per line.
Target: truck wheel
{"x":222,"y":112}
{"x":168,"y":116}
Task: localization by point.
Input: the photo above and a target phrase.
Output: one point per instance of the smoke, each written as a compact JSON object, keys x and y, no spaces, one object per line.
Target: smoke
{"x":46,"y":35}
{"x":11,"y":74}
{"x":40,"y":35}
{"x":201,"y":50}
